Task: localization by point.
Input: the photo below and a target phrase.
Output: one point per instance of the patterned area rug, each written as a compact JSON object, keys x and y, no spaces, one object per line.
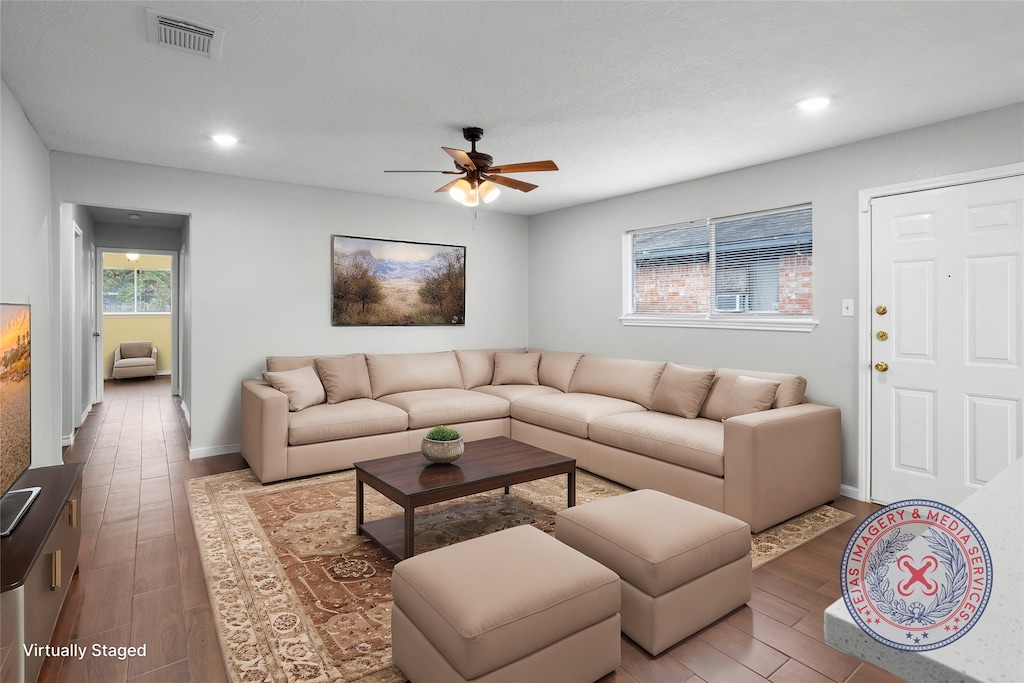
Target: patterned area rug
{"x":298,"y":596}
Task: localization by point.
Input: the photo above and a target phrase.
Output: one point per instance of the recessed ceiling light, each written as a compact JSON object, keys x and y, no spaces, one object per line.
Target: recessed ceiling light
{"x":134,"y":216}
{"x":814,"y":103}
{"x":224,"y":139}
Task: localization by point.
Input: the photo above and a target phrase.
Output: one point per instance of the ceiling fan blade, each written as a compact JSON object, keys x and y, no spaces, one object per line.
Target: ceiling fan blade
{"x":510,"y":182}
{"x":527,"y":167}
{"x":417,"y":171}
{"x":461,"y":158}
{"x":448,"y":186}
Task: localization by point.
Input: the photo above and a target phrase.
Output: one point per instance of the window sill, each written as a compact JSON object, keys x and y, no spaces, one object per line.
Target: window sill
{"x":723,"y":323}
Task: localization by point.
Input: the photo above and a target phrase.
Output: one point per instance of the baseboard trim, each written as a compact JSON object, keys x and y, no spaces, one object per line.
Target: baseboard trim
{"x":850,"y":492}
{"x":210,"y":451}
{"x":68,"y":440}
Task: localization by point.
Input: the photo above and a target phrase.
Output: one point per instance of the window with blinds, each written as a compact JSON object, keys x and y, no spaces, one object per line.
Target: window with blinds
{"x":753,"y":266}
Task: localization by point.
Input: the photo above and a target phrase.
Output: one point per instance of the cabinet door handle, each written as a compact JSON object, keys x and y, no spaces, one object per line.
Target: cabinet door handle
{"x":55,"y":577}
{"x":73,"y":518}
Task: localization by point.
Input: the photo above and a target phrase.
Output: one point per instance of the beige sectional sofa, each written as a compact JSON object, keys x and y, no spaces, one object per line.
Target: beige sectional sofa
{"x":739,"y":441}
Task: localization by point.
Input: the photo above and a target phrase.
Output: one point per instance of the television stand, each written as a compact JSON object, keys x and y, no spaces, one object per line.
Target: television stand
{"x":39,"y":558}
{"x":13,"y":506}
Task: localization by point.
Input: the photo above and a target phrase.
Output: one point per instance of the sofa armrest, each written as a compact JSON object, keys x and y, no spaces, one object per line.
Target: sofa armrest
{"x":117,"y":354}
{"x":265,"y":430}
{"x":781,"y":462}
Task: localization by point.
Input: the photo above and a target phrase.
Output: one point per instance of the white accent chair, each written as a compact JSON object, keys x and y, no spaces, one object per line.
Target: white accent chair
{"x":135,"y":359}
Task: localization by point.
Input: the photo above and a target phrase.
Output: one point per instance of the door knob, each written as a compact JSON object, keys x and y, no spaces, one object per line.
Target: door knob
{"x":881,"y":310}
{"x":881,"y":366}
{"x":881,"y":335}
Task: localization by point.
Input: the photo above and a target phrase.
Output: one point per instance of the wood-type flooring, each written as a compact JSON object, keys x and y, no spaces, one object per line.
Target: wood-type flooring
{"x":140,"y":578}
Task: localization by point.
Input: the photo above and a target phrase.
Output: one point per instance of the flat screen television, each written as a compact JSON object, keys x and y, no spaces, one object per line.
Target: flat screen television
{"x":15,"y":412}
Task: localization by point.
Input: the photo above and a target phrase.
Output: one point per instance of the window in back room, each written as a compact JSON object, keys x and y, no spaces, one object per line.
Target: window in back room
{"x":136,"y":290}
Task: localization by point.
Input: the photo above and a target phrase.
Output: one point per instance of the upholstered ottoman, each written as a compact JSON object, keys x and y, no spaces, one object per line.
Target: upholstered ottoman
{"x":682,"y":565}
{"x":511,"y":606}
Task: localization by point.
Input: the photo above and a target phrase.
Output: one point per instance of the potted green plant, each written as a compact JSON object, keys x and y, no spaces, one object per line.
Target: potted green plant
{"x":442,"y":445}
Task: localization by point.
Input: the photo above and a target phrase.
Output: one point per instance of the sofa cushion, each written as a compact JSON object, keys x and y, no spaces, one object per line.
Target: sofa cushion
{"x":569,"y":413}
{"x":630,"y":380}
{"x":282,"y":363}
{"x":697,"y":444}
{"x":136,"y":349}
{"x":557,"y":367}
{"x":750,"y":395}
{"x":516,"y":368}
{"x":681,"y":390}
{"x":514,"y":392}
{"x":477,"y":365}
{"x":344,"y":377}
{"x":346,"y":420}
{"x":430,"y":407}
{"x":790,"y":391}
{"x":302,"y":386}
{"x":135,"y":362}
{"x":392,"y":373}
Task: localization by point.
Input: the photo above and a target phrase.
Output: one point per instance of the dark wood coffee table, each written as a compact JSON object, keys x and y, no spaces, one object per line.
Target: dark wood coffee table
{"x":412,"y":481}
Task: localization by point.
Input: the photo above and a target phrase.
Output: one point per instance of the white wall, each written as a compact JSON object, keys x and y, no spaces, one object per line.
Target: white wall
{"x":576,"y":255}
{"x":27,"y":250}
{"x":258,"y":273}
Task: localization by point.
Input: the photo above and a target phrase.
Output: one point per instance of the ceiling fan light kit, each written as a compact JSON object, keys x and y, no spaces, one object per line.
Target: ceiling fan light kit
{"x":480,"y":176}
{"x":489,"y":191}
{"x":468,"y":193}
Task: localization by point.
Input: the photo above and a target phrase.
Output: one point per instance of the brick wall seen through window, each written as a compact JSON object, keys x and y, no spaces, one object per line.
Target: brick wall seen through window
{"x":753,"y":265}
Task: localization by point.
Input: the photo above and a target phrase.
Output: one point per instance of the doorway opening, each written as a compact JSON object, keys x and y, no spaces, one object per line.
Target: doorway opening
{"x":147,"y":295}
{"x":137,"y":305}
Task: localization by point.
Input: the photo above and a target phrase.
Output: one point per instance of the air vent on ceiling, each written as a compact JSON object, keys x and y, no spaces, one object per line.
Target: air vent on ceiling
{"x":184,"y":35}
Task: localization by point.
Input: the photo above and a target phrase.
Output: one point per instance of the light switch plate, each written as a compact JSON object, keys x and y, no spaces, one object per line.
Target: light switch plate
{"x":847,"y":308}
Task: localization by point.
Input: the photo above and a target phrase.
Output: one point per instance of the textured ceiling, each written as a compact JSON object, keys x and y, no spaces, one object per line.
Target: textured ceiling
{"x":623,"y":96}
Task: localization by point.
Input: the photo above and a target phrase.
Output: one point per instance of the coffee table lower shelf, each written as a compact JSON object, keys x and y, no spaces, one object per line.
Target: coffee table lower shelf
{"x":388,"y":533}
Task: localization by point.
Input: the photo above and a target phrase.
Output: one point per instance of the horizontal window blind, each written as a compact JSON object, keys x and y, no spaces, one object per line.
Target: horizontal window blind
{"x":751,"y":265}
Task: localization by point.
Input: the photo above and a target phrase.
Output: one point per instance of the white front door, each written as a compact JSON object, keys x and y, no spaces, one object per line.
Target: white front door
{"x":947,"y":290}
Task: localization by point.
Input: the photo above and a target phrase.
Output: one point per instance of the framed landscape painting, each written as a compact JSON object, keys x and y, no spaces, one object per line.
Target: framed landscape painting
{"x":15,"y":392}
{"x":389,"y":282}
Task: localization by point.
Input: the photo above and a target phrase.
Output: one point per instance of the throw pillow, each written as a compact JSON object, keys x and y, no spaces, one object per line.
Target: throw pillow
{"x":302,"y":386}
{"x":750,"y":395}
{"x":344,"y":378}
{"x":681,"y":390}
{"x":516,"y":368}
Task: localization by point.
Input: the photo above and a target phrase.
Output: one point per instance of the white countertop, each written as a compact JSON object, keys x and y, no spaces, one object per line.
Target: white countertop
{"x":992,"y":649}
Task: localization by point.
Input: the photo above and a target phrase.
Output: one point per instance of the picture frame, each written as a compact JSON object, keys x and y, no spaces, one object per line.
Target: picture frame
{"x":15,"y":392}
{"x":380,"y":282}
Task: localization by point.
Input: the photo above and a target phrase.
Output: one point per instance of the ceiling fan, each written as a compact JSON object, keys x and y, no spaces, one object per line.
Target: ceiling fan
{"x":480,"y":176}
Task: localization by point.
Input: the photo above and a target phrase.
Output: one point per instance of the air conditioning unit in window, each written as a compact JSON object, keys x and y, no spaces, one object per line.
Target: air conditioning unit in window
{"x":731,"y":303}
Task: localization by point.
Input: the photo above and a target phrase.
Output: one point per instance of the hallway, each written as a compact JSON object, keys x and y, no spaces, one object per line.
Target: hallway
{"x":139,"y":580}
